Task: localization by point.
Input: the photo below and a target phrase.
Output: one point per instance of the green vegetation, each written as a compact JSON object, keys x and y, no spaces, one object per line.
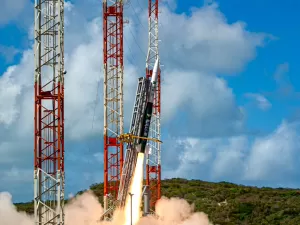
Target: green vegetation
{"x":227,"y":203}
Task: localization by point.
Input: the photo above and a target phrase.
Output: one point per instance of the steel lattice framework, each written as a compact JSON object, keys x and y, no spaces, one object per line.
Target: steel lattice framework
{"x":153,"y":161}
{"x":49,"y":112}
{"x":113,"y":97}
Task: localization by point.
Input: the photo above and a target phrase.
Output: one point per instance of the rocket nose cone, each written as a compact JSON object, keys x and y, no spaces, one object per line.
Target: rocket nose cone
{"x":154,"y":72}
{"x":156,"y":64}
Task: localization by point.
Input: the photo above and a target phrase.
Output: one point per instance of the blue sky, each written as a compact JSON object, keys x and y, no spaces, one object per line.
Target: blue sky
{"x":230,"y":97}
{"x":279,"y":20}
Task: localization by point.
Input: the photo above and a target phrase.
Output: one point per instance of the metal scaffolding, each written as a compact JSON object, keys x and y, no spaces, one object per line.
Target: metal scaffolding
{"x":113,"y":97}
{"x":153,"y":161}
{"x":49,"y":112}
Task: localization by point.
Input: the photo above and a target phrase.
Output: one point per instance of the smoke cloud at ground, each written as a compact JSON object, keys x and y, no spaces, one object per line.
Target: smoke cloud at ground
{"x":9,"y":214}
{"x":86,"y":210}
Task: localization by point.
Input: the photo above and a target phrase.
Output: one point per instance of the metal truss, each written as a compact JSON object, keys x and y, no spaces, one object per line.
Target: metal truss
{"x":49,"y":112}
{"x":153,"y":161}
{"x":113,"y":97}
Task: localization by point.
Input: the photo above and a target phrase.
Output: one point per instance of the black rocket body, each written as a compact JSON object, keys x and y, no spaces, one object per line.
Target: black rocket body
{"x":146,"y":126}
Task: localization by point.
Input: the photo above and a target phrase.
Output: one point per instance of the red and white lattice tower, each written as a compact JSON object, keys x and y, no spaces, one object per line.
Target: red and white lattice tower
{"x":113,"y":97}
{"x":49,"y":112}
{"x":153,"y":161}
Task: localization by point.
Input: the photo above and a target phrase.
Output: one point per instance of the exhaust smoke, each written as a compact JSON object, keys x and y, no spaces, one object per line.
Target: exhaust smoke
{"x":86,"y":210}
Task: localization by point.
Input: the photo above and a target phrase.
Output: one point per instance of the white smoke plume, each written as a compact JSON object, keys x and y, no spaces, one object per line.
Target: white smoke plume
{"x":86,"y":210}
{"x":8,"y":213}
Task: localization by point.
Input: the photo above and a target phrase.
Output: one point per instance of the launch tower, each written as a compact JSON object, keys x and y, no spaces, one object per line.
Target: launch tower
{"x":49,"y":112}
{"x":113,"y":97}
{"x":153,"y":161}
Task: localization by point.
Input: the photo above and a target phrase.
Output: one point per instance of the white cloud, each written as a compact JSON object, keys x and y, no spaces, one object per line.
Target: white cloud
{"x":99,"y":157}
{"x":267,"y":160}
{"x":205,"y":102}
{"x":229,"y":161}
{"x":261,"y":101}
{"x":209,"y":158}
{"x":8,"y":94}
{"x":284,"y":86}
{"x":17,"y":175}
{"x":8,"y":53}
{"x":284,"y":90}
{"x":281,"y":72}
{"x":12,"y":10}
{"x":190,"y":87}
{"x":205,"y":41}
{"x":273,"y":157}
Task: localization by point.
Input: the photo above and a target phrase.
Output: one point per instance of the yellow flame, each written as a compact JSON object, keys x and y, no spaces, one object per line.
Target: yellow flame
{"x":135,"y":189}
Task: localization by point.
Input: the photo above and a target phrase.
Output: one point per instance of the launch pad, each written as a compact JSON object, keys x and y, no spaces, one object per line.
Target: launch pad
{"x":144,"y":130}
{"x":136,"y":141}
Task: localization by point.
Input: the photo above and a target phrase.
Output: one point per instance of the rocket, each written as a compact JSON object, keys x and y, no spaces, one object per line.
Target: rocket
{"x":148,"y":110}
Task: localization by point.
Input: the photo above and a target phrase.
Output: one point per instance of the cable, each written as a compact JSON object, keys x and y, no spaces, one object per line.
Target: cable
{"x":132,"y":55}
{"x":94,"y":113}
{"x":139,"y":4}
{"x":137,"y":16}
{"x":137,"y":42}
{"x":97,"y":96}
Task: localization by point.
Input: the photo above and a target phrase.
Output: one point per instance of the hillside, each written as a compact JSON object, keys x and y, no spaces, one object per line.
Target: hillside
{"x":241,"y":204}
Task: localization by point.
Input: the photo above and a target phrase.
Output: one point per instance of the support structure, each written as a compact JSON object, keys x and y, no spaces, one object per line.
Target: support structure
{"x":49,"y":112}
{"x":153,"y":161}
{"x":113,"y":97}
{"x":134,"y":130}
